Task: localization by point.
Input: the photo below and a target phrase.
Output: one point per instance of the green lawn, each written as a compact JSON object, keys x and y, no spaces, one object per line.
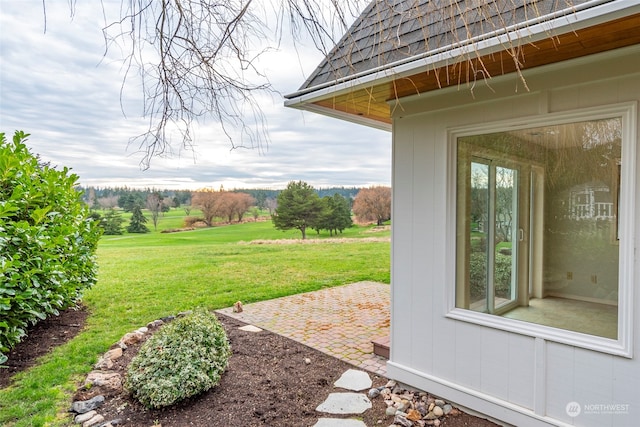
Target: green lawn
{"x":148,"y":276}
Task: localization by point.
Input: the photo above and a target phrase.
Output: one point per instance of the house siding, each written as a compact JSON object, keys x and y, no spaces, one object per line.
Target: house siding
{"x":516,"y":378}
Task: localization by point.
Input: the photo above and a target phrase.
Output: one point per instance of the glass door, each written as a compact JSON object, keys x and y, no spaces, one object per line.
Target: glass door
{"x":494,"y":235}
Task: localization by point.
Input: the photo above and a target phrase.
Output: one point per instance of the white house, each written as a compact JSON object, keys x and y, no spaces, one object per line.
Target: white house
{"x":504,"y":301}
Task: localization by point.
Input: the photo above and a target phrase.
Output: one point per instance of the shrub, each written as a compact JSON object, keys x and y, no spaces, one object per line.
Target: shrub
{"x":191,"y":221}
{"x":478,"y":275}
{"x":47,"y":241}
{"x":183,"y":359}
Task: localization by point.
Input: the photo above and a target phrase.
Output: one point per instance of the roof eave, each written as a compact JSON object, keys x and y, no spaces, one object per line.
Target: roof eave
{"x":589,"y":14}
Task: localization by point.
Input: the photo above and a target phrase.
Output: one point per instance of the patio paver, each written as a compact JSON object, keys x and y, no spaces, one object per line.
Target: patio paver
{"x":340,"y":321}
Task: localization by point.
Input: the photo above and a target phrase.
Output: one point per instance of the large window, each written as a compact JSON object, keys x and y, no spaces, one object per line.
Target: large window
{"x":540,"y":228}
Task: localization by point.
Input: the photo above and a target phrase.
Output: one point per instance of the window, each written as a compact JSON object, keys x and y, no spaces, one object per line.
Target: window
{"x":541,"y":227}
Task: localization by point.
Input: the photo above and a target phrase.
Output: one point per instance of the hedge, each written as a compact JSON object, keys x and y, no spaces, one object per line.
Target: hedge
{"x":47,"y":241}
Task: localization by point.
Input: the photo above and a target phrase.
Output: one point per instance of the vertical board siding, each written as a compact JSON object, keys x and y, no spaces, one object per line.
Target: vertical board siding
{"x":520,"y":382}
{"x":468,"y":340}
{"x":494,"y":361}
{"x":402,"y":260}
{"x":522,"y":370}
{"x":423,"y":246}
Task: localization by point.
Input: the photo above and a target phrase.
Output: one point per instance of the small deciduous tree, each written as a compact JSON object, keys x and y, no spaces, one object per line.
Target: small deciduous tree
{"x":154,"y":205}
{"x":206,"y":200}
{"x":137,"y":221}
{"x":373,"y":204}
{"x":299,"y":207}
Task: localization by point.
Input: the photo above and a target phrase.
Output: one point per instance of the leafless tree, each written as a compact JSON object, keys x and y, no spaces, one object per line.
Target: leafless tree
{"x":373,"y":204}
{"x":108,"y":202}
{"x":206,"y":200}
{"x":271,"y":204}
{"x":154,"y":204}
{"x":196,"y":60}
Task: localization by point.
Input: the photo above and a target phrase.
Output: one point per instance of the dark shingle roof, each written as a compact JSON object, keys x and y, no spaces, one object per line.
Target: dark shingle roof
{"x":389,"y":31}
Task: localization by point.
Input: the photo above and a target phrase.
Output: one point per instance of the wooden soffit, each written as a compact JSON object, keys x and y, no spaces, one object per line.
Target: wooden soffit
{"x":373,"y":102}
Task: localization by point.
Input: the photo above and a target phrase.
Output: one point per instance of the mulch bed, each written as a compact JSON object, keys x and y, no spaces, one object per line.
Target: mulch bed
{"x":267,"y":383}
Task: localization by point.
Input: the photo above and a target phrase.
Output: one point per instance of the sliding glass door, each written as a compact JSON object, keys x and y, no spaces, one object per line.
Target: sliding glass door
{"x":493,"y":235}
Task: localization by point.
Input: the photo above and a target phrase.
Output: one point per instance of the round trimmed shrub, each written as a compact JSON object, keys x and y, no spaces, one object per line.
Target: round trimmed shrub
{"x":184,"y":358}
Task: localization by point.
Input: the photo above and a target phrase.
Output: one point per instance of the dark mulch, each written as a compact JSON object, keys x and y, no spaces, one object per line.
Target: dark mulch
{"x":267,"y":382}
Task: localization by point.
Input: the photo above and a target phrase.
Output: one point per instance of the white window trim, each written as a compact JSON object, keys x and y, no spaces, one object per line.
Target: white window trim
{"x":623,"y":345}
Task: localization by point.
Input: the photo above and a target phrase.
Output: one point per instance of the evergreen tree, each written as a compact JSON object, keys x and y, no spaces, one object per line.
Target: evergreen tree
{"x":137,"y":221}
{"x":340,"y":217}
{"x":112,"y":222}
{"x":299,"y":207}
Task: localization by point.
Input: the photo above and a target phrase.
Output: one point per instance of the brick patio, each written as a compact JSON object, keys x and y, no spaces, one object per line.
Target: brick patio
{"x":341,"y":321}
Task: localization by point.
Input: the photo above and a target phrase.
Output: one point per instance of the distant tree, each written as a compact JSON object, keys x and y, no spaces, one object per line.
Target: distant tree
{"x":373,"y":204}
{"x":112,"y":222}
{"x":261,"y":198}
{"x":108,"y":202}
{"x":187,"y":210}
{"x":255,"y":213}
{"x":127,"y":201}
{"x":299,"y":207}
{"x":339,"y":217}
{"x":271,"y":204}
{"x":154,"y":205}
{"x":137,"y":221}
{"x":206,"y":200}
{"x":242,"y":203}
{"x":92,"y":199}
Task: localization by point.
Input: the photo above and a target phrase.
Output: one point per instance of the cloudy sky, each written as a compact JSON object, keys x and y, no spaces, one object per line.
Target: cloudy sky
{"x":58,"y":87}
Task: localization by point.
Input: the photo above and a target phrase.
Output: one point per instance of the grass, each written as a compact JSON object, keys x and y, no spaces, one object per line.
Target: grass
{"x":147,"y":276}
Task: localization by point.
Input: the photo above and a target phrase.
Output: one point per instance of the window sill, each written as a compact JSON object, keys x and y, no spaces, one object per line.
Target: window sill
{"x":619,"y":347}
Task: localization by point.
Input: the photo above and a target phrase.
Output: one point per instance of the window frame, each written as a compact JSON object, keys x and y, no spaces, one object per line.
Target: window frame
{"x":622,"y":346}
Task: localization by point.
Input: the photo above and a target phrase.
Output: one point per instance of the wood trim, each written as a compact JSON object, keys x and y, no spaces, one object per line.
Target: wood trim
{"x":377,"y":102}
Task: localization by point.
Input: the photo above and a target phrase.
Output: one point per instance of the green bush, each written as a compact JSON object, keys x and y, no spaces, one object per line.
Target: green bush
{"x":47,"y":241}
{"x":184,"y":358}
{"x":478,"y":275}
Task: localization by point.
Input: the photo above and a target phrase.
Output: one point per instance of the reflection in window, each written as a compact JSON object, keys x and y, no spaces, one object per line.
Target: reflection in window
{"x":537,"y":226}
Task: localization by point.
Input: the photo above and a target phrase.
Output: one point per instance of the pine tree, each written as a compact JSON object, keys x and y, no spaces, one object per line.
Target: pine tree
{"x":137,"y":221}
{"x":112,"y":222}
{"x":299,"y":207}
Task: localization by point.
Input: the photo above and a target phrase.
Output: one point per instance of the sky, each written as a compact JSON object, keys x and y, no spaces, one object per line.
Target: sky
{"x":58,"y":86}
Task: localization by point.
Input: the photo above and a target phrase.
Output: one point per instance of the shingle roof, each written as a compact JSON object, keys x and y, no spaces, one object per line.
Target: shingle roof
{"x":388,"y":31}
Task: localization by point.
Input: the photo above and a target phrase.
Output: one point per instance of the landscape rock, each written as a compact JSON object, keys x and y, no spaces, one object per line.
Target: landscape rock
{"x":155,"y":324}
{"x":373,"y":393}
{"x":81,"y":418}
{"x":83,"y":406}
{"x":438,"y":411}
{"x":401,"y":420}
{"x":132,"y":338}
{"x":106,"y":381}
{"x":94,"y":421}
{"x":414,"y":415}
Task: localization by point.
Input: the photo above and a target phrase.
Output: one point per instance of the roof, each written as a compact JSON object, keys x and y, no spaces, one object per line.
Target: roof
{"x":402,"y":47}
{"x":391,"y":31}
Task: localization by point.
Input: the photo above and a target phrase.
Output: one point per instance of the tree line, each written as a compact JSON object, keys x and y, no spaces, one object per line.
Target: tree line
{"x":299,"y":206}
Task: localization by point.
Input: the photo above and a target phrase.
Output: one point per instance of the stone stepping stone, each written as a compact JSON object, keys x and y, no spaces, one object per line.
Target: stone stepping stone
{"x":338,"y":422}
{"x":345,"y":403}
{"x":354,"y":380}
{"x":250,"y":328}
